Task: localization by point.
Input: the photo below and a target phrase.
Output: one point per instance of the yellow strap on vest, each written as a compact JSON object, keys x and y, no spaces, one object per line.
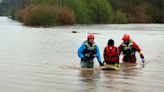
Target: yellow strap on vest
{"x":140,"y":52}
{"x":93,"y":45}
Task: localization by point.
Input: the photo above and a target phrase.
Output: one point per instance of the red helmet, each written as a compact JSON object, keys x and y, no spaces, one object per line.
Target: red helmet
{"x":126,"y":37}
{"x":90,"y":36}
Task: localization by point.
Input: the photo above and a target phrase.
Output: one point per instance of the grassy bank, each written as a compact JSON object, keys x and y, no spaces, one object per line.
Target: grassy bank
{"x":68,"y":12}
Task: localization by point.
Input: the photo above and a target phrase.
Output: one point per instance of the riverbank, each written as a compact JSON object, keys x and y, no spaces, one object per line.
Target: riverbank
{"x":62,"y":12}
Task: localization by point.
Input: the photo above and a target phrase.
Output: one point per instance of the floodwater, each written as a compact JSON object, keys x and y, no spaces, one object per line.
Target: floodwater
{"x":45,"y":59}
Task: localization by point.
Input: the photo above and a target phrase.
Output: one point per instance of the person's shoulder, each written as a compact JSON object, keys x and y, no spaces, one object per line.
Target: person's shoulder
{"x":106,"y":47}
{"x":121,"y":44}
{"x":83,"y":44}
{"x":95,"y":45}
{"x":133,"y":42}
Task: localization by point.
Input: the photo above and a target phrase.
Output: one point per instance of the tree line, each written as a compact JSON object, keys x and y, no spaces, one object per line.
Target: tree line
{"x":68,"y":12}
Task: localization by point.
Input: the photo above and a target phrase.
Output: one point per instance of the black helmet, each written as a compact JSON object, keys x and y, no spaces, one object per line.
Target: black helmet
{"x":110,"y":42}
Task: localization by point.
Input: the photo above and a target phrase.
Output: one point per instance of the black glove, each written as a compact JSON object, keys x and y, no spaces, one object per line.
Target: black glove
{"x":82,"y":59}
{"x":101,"y":64}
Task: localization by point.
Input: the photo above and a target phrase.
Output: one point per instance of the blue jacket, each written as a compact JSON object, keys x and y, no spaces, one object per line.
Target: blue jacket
{"x":83,"y":47}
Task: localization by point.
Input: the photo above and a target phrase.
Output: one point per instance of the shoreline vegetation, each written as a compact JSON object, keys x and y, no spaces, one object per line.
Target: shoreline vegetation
{"x":68,"y":12}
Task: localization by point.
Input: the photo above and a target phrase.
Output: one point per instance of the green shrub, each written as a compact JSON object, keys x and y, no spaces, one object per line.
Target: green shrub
{"x":154,"y":12}
{"x":80,"y":9}
{"x":20,"y":15}
{"x":45,"y":15}
{"x":140,"y":15}
{"x":41,"y":15}
{"x":100,"y":11}
{"x":120,"y":17}
{"x":66,"y":16}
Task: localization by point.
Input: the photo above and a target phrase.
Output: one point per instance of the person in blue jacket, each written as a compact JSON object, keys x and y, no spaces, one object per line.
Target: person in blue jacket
{"x":88,"y":51}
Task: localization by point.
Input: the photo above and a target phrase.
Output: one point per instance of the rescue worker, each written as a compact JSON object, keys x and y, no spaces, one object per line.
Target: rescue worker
{"x":129,"y":48}
{"x":111,"y":55}
{"x":88,"y":51}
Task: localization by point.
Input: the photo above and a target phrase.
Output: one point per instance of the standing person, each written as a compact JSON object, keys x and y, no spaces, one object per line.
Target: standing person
{"x":111,"y":55}
{"x":129,"y":48}
{"x":88,"y":51}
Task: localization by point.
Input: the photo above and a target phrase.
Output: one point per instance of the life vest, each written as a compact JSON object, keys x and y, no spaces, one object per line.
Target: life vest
{"x":111,"y":54}
{"x":128,"y":50}
{"x":90,"y":50}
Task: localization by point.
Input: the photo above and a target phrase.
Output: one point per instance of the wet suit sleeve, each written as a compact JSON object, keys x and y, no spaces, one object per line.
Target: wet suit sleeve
{"x":98,"y":54}
{"x":80,"y":50}
{"x":104,"y":53}
{"x":120,"y":49}
{"x":137,"y":48}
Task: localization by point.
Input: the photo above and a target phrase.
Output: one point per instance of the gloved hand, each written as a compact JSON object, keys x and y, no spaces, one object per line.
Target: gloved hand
{"x":143,"y":60}
{"x":83,"y":59}
{"x":104,"y":62}
{"x":101,"y":64}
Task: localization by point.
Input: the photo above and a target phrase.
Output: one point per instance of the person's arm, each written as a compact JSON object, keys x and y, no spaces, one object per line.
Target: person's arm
{"x":118,"y":55}
{"x":98,"y":56}
{"x":104,"y":52}
{"x":80,"y":50}
{"x":104,"y":55}
{"x":120,"y":49}
{"x":137,"y":48}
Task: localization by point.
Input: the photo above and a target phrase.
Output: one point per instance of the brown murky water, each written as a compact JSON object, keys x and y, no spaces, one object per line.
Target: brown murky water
{"x":45,"y":59}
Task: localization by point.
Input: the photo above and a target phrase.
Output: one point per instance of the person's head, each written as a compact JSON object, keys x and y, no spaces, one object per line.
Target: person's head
{"x":90,"y":38}
{"x":111,"y":42}
{"x":126,"y":38}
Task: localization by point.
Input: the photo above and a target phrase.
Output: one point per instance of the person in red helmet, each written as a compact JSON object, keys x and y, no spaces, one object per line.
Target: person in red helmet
{"x":111,"y":55}
{"x":129,"y":48}
{"x":88,"y":51}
